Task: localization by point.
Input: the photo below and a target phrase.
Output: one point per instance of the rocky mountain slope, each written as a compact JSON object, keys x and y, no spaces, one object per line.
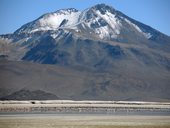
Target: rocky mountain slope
{"x":105,"y":54}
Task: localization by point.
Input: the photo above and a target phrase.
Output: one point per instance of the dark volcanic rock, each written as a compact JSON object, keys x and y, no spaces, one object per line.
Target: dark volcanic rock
{"x":30,"y":95}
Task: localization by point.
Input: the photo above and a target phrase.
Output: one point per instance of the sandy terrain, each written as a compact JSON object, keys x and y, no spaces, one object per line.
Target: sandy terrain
{"x":83,"y":121}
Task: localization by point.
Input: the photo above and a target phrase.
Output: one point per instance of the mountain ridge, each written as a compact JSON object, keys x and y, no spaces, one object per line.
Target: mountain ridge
{"x":120,"y":53}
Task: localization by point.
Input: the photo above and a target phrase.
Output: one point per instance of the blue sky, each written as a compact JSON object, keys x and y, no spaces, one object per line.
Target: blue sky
{"x":15,"y":13}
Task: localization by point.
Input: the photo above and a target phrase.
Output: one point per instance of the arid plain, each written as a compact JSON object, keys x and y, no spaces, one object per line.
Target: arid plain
{"x":84,"y":121}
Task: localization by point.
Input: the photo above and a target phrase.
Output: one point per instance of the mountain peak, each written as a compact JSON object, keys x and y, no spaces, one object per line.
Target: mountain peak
{"x":102,"y":20}
{"x":102,"y":5}
{"x":68,"y":10}
{"x":51,"y":21}
{"x":98,"y":53}
{"x":103,"y":8}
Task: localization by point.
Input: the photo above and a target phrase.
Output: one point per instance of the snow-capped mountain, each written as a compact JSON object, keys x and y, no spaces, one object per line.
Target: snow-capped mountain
{"x":103,"y":21}
{"x":115,"y":53}
{"x":100,"y":22}
{"x":52,"y":21}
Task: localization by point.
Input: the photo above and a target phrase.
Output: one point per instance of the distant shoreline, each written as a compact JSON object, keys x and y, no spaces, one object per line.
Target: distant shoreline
{"x":85,"y":107}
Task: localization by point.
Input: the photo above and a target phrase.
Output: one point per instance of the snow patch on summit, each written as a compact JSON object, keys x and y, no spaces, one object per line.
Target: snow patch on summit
{"x":113,"y":23}
{"x":65,"y":18}
{"x":53,"y":21}
{"x":111,"y":20}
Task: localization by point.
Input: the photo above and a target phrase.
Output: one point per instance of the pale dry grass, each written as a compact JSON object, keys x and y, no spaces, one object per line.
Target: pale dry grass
{"x":84,"y":121}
